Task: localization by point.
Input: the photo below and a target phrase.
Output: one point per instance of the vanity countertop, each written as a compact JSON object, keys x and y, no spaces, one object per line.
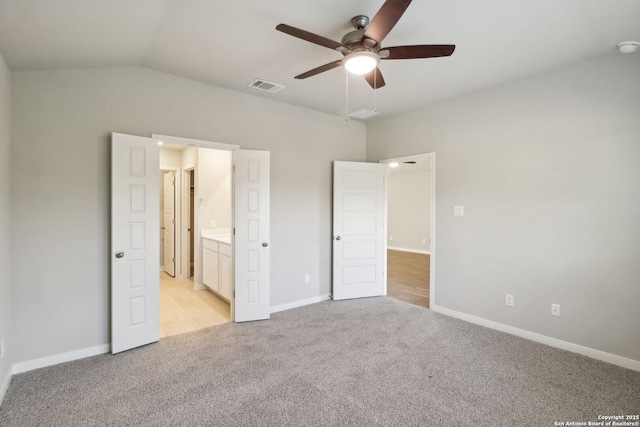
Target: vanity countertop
{"x":217,"y":236}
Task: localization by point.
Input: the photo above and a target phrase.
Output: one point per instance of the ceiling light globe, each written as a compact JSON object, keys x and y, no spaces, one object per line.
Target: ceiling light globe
{"x":628,"y":47}
{"x":360,"y":62}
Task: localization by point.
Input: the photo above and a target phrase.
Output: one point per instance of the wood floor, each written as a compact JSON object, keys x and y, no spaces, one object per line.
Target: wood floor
{"x":183,"y":309}
{"x":408,"y":277}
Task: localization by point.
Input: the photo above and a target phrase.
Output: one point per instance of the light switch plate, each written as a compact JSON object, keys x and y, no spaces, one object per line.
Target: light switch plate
{"x":458,"y":210}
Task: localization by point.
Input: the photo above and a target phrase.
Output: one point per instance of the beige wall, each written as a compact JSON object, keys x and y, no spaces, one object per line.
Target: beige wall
{"x":547,"y":169}
{"x":170,"y":158}
{"x":409,"y":211}
{"x":60,"y":173}
{"x":214,"y":187}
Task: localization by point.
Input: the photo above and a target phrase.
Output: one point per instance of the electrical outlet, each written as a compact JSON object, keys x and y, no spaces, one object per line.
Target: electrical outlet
{"x":307,"y":278}
{"x":424,"y":240}
{"x":1,"y":349}
{"x":390,"y":237}
{"x":508,"y":300}
{"x":213,"y":223}
{"x":555,"y":309}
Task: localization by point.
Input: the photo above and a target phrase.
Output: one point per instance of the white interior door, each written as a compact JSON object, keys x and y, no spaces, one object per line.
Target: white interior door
{"x":135,"y":241}
{"x":359,"y":243}
{"x":169,"y":222}
{"x":251,"y":244}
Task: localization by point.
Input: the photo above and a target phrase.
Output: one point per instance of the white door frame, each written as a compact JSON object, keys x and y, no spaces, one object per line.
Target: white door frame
{"x":432,"y":208}
{"x":185,"y":195}
{"x":177,"y":231}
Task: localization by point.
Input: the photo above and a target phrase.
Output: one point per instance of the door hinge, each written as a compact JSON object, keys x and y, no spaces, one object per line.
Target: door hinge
{"x":234,"y":168}
{"x":234,"y":231}
{"x":234,"y":294}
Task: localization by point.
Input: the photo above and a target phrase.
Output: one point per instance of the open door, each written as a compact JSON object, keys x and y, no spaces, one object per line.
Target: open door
{"x":251,"y":300}
{"x":169,"y":214}
{"x":359,"y":242}
{"x":135,"y":242}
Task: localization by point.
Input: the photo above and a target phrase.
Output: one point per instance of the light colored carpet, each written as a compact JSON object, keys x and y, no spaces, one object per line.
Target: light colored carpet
{"x":368,"y":362}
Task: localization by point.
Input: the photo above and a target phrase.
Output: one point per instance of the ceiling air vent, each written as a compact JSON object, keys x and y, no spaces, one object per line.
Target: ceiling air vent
{"x":265,"y":86}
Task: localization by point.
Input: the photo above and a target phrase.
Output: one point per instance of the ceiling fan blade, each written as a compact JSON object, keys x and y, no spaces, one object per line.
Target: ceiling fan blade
{"x":321,"y":69}
{"x":386,"y":19}
{"x":417,"y":51}
{"x":310,"y":37}
{"x":374,"y":78}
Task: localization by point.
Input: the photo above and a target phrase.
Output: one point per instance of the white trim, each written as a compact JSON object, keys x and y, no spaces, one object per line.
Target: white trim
{"x":432,"y":257}
{"x":5,"y":385}
{"x":56,"y":359}
{"x":415,"y":251}
{"x":195,"y":142}
{"x":185,"y":201}
{"x":299,"y":303}
{"x":543,"y":339}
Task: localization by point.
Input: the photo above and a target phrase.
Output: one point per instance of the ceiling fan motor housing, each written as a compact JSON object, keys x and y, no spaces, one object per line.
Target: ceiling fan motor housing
{"x":355,"y":42}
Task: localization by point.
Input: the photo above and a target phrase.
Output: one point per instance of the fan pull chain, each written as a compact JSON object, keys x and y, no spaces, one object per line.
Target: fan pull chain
{"x":375,"y":86}
{"x":346,"y":98}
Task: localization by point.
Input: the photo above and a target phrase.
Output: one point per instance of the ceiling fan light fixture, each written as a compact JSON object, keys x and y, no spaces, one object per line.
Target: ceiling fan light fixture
{"x":360,"y":62}
{"x":628,"y":47}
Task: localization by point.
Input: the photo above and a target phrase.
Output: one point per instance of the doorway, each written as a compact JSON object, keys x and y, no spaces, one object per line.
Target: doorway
{"x":410,"y":228}
{"x":195,"y":196}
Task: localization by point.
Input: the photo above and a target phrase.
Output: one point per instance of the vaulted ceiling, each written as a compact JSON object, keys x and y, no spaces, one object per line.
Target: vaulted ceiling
{"x":231,"y":43}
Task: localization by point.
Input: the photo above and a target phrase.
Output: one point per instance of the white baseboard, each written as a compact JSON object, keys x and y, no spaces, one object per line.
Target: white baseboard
{"x":543,"y":339}
{"x":299,"y":303}
{"x":43,"y":362}
{"x":416,"y":251}
{"x":4,"y":385}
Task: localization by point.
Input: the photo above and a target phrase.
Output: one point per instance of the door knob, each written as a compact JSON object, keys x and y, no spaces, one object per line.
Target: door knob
{"x":119,"y":254}
{"x":338,"y":237}
{"x":265,"y":244}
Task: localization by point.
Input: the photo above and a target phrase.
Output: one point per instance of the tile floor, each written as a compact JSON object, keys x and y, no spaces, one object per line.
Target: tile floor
{"x":183,"y":309}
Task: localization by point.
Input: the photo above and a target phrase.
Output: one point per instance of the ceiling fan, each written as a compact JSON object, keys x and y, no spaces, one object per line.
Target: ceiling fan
{"x":362,"y":48}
